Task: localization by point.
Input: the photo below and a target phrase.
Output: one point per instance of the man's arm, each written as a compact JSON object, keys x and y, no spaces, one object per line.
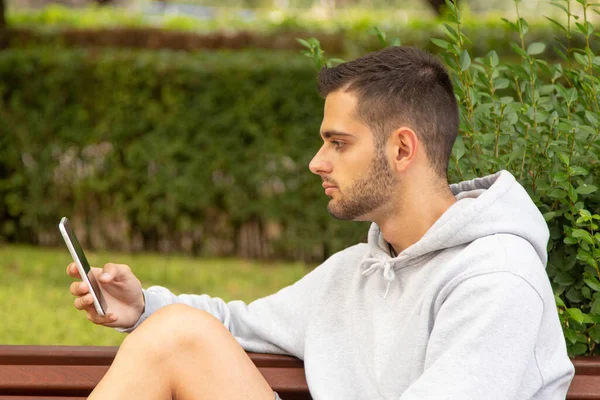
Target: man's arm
{"x":484,"y":344}
{"x":273,"y":324}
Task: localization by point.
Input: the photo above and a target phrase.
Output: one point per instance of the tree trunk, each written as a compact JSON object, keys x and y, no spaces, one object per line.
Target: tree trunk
{"x":3,"y":31}
{"x":439,"y":5}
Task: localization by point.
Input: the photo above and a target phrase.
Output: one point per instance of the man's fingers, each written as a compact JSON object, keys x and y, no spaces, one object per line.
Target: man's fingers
{"x":113,"y":272}
{"x":72,"y":270}
{"x":95,"y":318}
{"x":84,"y":302}
{"x":79,"y":288}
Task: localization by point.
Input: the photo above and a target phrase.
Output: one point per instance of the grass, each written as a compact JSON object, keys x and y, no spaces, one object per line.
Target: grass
{"x":36,"y":306}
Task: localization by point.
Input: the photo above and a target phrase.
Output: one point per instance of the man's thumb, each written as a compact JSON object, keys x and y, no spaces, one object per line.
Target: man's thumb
{"x":105,"y":277}
{"x":112,"y":271}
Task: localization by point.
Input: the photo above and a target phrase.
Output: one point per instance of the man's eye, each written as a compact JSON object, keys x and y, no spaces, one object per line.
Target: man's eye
{"x":338,"y":145}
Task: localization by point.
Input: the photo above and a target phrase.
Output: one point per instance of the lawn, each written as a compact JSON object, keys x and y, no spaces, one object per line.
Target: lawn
{"x":36,"y":306}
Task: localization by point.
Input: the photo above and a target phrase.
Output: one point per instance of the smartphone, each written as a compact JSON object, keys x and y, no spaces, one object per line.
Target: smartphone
{"x":83,"y":265}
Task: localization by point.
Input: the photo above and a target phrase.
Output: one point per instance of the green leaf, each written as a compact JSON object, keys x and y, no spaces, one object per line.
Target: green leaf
{"x":581,"y":28}
{"x":440,"y":43}
{"x":501,"y":83}
{"x":524,"y":26}
{"x":586,"y":189}
{"x":451,"y":32}
{"x":571,"y":95}
{"x":314,"y":42}
{"x":494,"y":60}
{"x":586,"y":257}
{"x":591,"y":117}
{"x":335,"y":60}
{"x":536,"y":48}
{"x":574,"y":295}
{"x":594,"y":333}
{"x":519,"y":50}
{"x":396,"y":42}
{"x":589,"y":28}
{"x":562,"y":7}
{"x":572,"y":194}
{"x":558,"y":301}
{"x":549,"y":215}
{"x":459,"y":148}
{"x":380,"y":35}
{"x":585,"y":213}
{"x":595,"y":309}
{"x":575,"y":171}
{"x":579,"y":349}
{"x":564,"y":279}
{"x":558,"y":24}
{"x":592,"y":282}
{"x":578,"y":316}
{"x":581,"y":59}
{"x":570,"y":240}
{"x":304,"y":43}
{"x":571,"y":336}
{"x":557,"y":193}
{"x":564,"y":158}
{"x":465,"y":60}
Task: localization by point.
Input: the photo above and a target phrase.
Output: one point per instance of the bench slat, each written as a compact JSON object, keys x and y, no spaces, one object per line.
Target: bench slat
{"x":584,"y":387}
{"x":80,"y":380}
{"x":104,"y":355}
{"x":41,"y":398}
{"x":71,"y":372}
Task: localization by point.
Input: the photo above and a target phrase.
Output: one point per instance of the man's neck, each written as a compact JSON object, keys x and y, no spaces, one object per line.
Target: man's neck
{"x":416,"y":212}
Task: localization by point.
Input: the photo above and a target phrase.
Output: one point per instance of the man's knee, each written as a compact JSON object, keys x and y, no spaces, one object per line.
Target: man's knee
{"x":176,"y":328}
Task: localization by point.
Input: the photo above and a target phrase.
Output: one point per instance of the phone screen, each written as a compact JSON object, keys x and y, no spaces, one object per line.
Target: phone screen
{"x":84,"y":262}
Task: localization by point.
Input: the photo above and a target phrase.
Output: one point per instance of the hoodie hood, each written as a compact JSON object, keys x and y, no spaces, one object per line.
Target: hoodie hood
{"x":485,"y":206}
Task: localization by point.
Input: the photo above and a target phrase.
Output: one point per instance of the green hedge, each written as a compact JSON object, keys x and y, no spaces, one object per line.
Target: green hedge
{"x":205,"y":153}
{"x":347,"y":34}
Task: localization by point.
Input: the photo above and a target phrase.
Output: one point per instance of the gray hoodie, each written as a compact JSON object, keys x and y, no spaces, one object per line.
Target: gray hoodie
{"x":467,"y":312}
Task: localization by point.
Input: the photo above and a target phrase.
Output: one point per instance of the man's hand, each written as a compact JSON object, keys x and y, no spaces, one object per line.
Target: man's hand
{"x":122,"y":291}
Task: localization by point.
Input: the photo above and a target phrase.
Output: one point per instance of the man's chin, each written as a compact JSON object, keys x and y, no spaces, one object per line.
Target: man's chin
{"x":340,"y":215}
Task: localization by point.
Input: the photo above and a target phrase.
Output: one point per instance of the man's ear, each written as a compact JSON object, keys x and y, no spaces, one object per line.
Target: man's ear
{"x":405,"y":145}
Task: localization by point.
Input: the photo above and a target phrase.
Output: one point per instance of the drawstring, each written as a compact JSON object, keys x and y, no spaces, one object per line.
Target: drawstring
{"x":371,"y":264}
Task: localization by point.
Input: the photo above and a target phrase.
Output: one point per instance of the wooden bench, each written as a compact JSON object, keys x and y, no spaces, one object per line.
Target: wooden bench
{"x":69,"y":373}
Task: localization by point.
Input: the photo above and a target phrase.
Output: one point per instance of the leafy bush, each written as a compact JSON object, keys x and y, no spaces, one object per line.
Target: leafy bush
{"x":346,"y":34}
{"x":204,"y":153}
{"x":541,"y":121}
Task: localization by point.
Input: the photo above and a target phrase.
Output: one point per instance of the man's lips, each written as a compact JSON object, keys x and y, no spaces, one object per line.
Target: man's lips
{"x":329,"y":188}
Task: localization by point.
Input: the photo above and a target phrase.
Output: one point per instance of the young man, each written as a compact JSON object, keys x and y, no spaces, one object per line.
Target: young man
{"x":448,"y":300}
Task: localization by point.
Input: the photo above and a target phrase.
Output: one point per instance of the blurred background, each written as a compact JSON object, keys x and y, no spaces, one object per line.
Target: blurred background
{"x":176,"y":136}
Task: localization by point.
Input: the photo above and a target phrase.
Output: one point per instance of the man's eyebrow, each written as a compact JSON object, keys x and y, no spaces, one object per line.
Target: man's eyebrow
{"x":329,"y":134}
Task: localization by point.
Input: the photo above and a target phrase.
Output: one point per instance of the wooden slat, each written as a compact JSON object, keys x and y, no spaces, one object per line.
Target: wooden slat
{"x":59,"y":372}
{"x":56,"y":380}
{"x":584,"y":387}
{"x":90,"y":355}
{"x":74,"y":379}
{"x":71,"y":372}
{"x":42,"y":398}
{"x":588,"y":365}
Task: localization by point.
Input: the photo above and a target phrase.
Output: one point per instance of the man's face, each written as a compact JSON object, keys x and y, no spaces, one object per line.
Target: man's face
{"x":356,"y":173}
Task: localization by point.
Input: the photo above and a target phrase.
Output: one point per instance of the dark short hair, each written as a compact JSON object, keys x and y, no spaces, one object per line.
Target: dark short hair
{"x":401,"y":86}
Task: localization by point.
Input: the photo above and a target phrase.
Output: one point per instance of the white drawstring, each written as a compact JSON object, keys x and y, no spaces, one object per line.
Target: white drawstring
{"x":371,"y":264}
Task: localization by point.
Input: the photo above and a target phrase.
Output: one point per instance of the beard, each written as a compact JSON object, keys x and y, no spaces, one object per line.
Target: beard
{"x":369,"y":192}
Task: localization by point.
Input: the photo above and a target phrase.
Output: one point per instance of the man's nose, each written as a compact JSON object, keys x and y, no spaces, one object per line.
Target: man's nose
{"x":319,"y":165}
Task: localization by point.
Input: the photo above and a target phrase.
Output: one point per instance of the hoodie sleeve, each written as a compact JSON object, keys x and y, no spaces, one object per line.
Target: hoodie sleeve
{"x":482,"y":342}
{"x":273,"y":324}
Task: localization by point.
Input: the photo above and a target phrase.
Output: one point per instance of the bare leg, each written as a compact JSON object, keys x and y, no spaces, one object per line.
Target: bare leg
{"x":182,"y":353}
